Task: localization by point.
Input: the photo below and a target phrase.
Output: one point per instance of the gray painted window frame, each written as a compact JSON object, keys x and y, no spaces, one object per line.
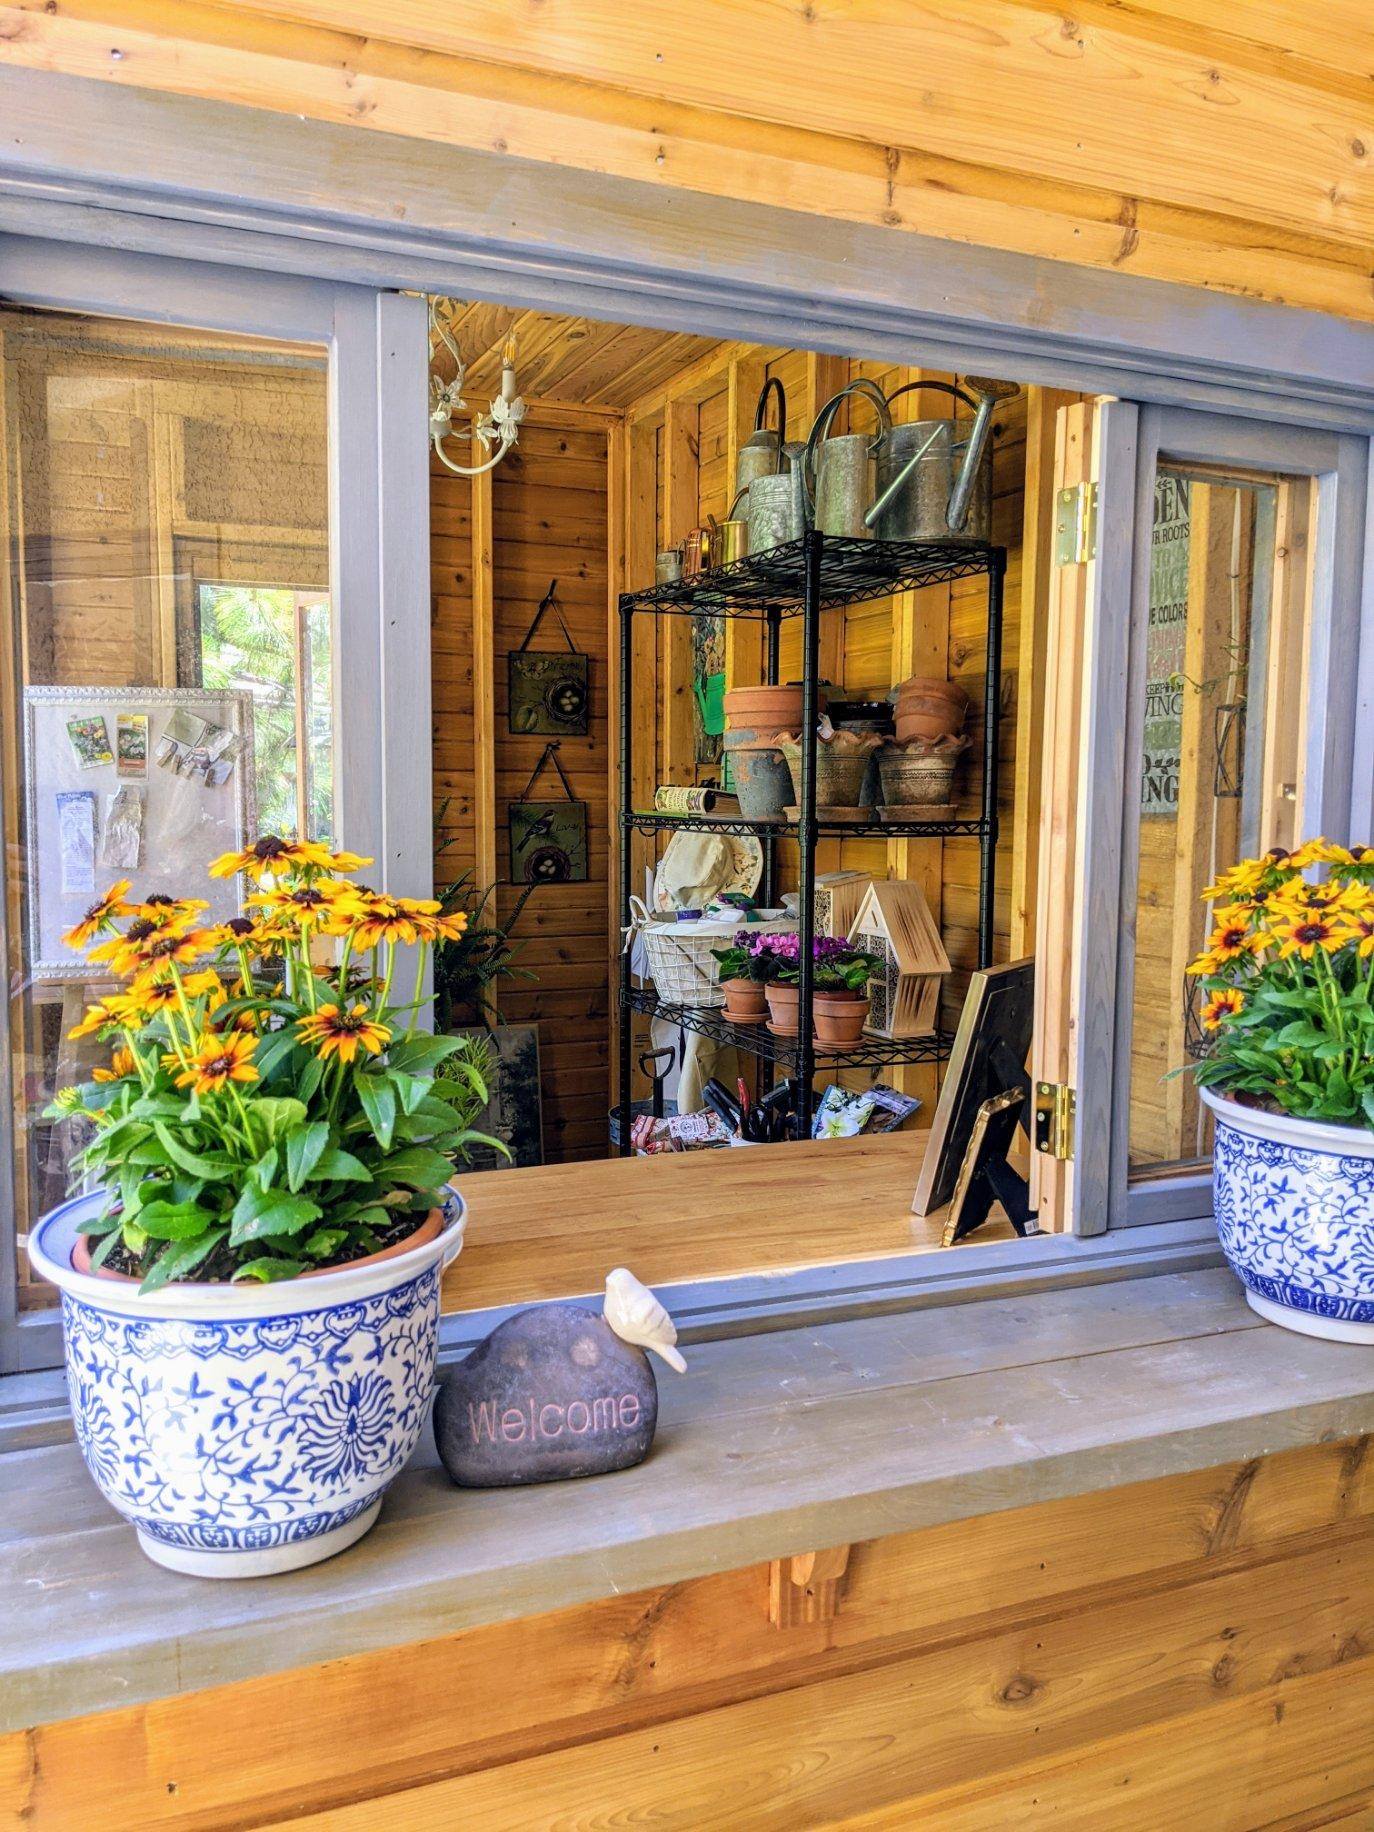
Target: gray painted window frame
{"x":212,"y":182}
{"x":376,"y":347}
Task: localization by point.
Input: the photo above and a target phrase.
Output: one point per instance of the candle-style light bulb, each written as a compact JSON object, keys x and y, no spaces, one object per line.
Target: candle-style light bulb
{"x":508,"y":370}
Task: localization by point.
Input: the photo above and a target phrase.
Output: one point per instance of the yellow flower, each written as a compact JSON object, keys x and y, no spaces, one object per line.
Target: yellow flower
{"x":158,"y":954}
{"x":1306,"y":931}
{"x":169,"y":912}
{"x":1318,"y":852}
{"x":1362,"y":933}
{"x":376,"y":918}
{"x":99,"y":916}
{"x":304,"y":906}
{"x":271,"y":855}
{"x":141,"y":1003}
{"x":1224,"y":1003}
{"x":334,"y":1031}
{"x":127,"y":951}
{"x":122,"y":1064}
{"x":68,"y":1100}
{"x":450,"y":927}
{"x":1241,"y":880}
{"x":1232,"y":937}
{"x":217,"y":1061}
{"x":96,"y":1018}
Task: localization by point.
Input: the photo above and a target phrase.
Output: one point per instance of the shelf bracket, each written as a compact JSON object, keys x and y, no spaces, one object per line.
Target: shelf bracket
{"x":806,"y":1587}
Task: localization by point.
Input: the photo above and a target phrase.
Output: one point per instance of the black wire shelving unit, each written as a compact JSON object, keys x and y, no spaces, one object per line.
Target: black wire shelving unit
{"x":806,"y":578}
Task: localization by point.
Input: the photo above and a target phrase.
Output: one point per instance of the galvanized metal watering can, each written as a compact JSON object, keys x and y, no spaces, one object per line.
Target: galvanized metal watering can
{"x":934,"y":477}
{"x":840,"y":473}
{"x":761,"y":453}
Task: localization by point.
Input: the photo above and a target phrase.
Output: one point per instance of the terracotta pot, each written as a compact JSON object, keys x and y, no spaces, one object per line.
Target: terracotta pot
{"x":744,"y":1001}
{"x":918,"y":775}
{"x":840,"y":1017}
{"x":841,"y":767}
{"x":766,"y":710}
{"x":782,"y":1010}
{"x":928,"y":708}
{"x":760,"y":776}
{"x":419,"y":1237}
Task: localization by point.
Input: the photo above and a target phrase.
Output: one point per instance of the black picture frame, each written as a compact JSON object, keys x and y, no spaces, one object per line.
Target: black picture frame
{"x":987,"y":1058}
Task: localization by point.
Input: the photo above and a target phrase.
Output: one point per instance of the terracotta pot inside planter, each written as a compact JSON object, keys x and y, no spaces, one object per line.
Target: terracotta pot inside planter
{"x":841,"y":766}
{"x":783,"y":1019}
{"x":745,"y":1002}
{"x":840,"y":1017}
{"x":768,"y":709}
{"x":917,"y":775}
{"x":928,"y":708}
{"x":418,"y":1237}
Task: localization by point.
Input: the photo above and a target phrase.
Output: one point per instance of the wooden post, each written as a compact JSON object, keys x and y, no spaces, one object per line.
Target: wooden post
{"x":483,"y":693}
{"x":1037,"y":556}
{"x":743,"y":637}
{"x":806,"y":1587}
{"x":618,"y":509}
{"x":1056,"y":980}
{"x":679,"y":516}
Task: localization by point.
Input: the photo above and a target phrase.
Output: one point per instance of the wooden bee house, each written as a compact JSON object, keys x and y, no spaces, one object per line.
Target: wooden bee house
{"x":894,"y":922}
{"x":837,"y":900}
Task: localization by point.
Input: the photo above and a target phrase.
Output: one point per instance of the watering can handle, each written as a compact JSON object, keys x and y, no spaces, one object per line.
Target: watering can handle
{"x":989,"y":394}
{"x":772,"y":386}
{"x":959,"y":394}
{"x":820,"y":430}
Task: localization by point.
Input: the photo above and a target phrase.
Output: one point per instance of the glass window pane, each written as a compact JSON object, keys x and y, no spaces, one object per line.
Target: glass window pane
{"x":1220,"y":764}
{"x":165,"y":652}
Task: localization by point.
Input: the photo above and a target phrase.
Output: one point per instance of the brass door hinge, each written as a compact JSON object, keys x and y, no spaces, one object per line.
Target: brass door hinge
{"x":1075,"y":524}
{"x":1056,"y":1105}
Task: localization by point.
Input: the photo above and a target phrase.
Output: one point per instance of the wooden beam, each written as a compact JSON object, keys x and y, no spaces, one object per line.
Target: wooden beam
{"x":1033,"y":661}
{"x":679,"y":516}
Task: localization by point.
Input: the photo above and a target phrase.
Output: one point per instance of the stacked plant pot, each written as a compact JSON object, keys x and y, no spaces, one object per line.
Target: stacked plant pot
{"x":754,"y":719}
{"x":917,"y":766}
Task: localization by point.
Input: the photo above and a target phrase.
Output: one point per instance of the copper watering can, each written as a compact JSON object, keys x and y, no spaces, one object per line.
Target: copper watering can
{"x":934,"y":477}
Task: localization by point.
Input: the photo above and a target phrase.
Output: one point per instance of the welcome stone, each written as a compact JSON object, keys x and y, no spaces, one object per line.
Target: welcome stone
{"x":553,"y":1392}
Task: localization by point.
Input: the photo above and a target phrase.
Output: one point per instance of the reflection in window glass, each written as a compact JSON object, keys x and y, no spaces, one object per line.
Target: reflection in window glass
{"x":1219,"y":775}
{"x":164,"y":572}
{"x":273,"y":643}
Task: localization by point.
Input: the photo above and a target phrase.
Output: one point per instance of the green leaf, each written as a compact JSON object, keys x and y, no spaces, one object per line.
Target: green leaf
{"x":339,"y":1166}
{"x":410,"y":1089}
{"x":310,"y":1078}
{"x":378,"y":1099}
{"x":181,"y":1257}
{"x":270,"y":1213}
{"x":149,"y":1152}
{"x":265,"y":1170}
{"x":268,"y":1270}
{"x":303,"y":1148}
{"x":210,"y":1164}
{"x":277,"y":1115}
{"x":323,"y":1242}
{"x":173,"y":1220}
{"x":422,"y":1054}
{"x":270,"y":1054}
{"x":417,"y":1167}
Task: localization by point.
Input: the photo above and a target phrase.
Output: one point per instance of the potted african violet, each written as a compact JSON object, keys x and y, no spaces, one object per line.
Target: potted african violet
{"x":1287,"y":980}
{"x":745,"y":970}
{"x":250,"y":1292}
{"x":840,"y":999}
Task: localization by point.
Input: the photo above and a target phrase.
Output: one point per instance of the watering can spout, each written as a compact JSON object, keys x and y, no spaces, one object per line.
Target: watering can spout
{"x":989,"y":392}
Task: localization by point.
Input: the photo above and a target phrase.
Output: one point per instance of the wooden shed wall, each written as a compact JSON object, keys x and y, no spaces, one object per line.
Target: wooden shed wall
{"x":1194,"y":1649}
{"x":548,"y":520}
{"x":1228,"y":147}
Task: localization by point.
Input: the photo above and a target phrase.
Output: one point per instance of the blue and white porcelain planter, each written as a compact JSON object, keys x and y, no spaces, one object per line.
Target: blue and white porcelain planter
{"x":1294,"y":1205}
{"x":249,"y":1429}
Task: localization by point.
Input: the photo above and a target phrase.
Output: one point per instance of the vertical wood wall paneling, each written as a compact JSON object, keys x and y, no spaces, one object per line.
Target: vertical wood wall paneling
{"x":617,"y":568}
{"x":641,"y":541}
{"x":680,"y":514}
{"x":496,"y":542}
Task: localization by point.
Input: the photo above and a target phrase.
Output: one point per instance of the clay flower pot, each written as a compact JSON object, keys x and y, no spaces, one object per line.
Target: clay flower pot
{"x":841,"y":766}
{"x":760,"y":776}
{"x":928,"y":708}
{"x":920,"y":772}
{"x":767,"y":710}
{"x":839,"y":1017}
{"x":744,"y":1001}
{"x":783,"y":1019}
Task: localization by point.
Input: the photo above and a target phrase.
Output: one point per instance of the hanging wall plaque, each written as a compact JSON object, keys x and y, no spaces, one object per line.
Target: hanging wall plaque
{"x":548,"y":839}
{"x":549,"y":691}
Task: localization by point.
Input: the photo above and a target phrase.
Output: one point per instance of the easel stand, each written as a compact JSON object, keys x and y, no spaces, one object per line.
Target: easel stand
{"x":985,"y":1176}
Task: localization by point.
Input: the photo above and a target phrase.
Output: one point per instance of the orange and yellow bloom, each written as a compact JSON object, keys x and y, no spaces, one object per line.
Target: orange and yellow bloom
{"x":100,"y":915}
{"x":1224,"y":1003}
{"x":217,"y":1061}
{"x":336,"y":1032}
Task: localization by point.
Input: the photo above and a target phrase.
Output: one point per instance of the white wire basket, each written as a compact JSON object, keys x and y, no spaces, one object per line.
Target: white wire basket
{"x":678,"y":954}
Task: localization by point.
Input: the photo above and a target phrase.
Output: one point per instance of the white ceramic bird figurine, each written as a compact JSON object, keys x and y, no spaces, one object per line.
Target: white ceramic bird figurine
{"x":636,"y":1315}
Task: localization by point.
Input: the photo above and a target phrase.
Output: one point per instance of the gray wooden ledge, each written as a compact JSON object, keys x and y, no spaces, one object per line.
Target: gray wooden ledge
{"x":772,"y":1444}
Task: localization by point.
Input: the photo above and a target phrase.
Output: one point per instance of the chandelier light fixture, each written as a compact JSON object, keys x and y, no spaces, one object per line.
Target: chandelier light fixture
{"x":496,"y":432}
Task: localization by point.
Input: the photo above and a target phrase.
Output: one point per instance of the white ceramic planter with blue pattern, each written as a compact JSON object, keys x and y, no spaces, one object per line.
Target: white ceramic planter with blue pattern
{"x":1294,"y":1205}
{"x":249,"y":1429}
